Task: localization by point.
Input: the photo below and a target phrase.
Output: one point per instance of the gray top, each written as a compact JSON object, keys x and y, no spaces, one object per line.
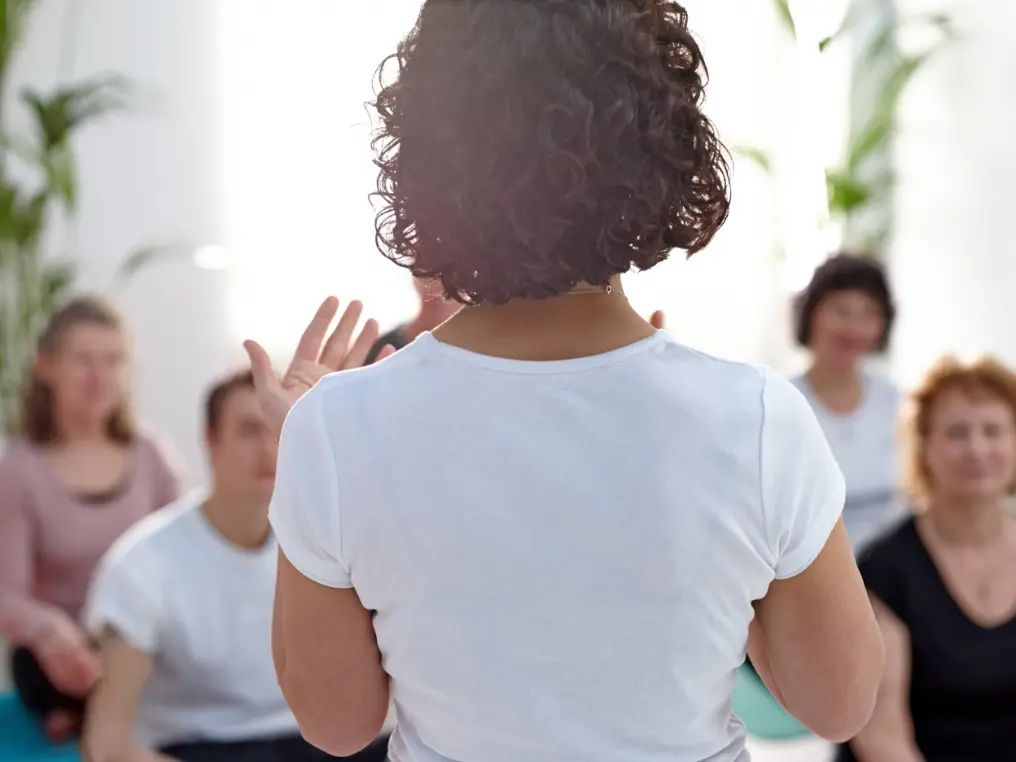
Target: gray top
{"x":865,"y":444}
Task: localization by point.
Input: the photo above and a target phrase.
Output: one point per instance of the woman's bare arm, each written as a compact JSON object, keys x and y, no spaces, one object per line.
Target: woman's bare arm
{"x":817,"y":645}
{"x":889,"y":735}
{"x":23,"y":619}
{"x":328,"y":663}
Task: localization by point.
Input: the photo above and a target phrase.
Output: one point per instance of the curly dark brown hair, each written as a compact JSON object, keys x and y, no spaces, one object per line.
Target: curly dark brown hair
{"x":526,"y":146}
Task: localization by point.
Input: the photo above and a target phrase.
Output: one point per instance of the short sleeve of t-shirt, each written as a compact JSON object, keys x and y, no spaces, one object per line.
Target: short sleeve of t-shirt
{"x":125,"y":597}
{"x":802,"y":487}
{"x":304,"y":510}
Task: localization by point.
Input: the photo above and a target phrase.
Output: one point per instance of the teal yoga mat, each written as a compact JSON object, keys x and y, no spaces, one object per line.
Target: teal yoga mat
{"x":22,"y":739}
{"x":761,"y":714}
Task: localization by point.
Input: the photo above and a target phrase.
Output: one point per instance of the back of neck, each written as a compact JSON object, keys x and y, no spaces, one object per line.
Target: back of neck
{"x":561,"y":328}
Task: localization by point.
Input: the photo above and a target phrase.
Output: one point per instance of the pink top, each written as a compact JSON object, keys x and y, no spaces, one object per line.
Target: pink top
{"x":52,"y":540}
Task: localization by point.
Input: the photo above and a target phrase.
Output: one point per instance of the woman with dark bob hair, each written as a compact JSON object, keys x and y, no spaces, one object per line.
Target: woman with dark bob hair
{"x":547,"y":530}
{"x":844,"y":315}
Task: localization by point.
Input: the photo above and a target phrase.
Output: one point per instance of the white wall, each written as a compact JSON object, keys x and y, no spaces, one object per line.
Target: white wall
{"x":954,"y":260}
{"x":158,"y":176}
{"x":150,"y":176}
{"x":250,"y":131}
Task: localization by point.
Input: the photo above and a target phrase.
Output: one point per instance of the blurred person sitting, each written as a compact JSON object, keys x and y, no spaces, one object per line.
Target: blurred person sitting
{"x":944,"y":583}
{"x":845,"y":315}
{"x":78,"y":475}
{"x":182,"y":608}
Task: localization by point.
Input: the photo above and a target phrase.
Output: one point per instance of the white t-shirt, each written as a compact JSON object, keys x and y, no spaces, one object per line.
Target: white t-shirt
{"x":865,"y":443}
{"x":562,"y":555}
{"x":174,"y":588}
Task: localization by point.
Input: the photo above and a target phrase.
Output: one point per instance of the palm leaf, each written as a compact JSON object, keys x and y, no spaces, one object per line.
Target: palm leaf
{"x":9,"y":199}
{"x":61,"y":175}
{"x":58,"y":115}
{"x":846,"y":193}
{"x":21,"y":147}
{"x":786,"y":16}
{"x":14,"y":18}
{"x":756,"y":156}
{"x":845,"y":26}
{"x":940,"y":21}
{"x":144,"y":257}
{"x":27,"y":222}
{"x":874,"y":136}
{"x":56,"y":280}
{"x":31,"y":285}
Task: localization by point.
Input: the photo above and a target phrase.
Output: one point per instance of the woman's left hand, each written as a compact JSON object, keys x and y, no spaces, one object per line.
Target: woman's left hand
{"x":314,"y":358}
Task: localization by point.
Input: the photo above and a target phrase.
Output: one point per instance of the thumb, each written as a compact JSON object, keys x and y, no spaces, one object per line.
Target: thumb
{"x":657,"y":320}
{"x":260,"y":364}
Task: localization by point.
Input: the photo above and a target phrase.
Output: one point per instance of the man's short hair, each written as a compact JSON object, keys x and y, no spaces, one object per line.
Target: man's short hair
{"x":215,"y":400}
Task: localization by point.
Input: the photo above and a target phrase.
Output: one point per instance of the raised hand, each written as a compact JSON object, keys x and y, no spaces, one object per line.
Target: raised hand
{"x":314,"y":358}
{"x":657,"y":320}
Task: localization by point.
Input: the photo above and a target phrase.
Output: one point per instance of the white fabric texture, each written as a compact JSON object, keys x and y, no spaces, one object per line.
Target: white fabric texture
{"x":174,"y":588}
{"x":562,"y":555}
{"x":865,"y":444}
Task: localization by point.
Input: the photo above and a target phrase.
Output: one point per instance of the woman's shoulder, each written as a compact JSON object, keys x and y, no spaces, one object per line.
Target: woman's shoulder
{"x":157,"y":450}
{"x":17,"y":456}
{"x":882,"y":390}
{"x":149,"y":442}
{"x":18,"y":468}
{"x":896,"y":537}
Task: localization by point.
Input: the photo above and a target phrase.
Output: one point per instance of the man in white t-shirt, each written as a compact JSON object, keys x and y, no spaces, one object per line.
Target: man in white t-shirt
{"x":182,"y":607}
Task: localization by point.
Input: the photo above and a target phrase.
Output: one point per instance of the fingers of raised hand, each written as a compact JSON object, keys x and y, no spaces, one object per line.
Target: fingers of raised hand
{"x":361,"y":347}
{"x":260,"y":364}
{"x":657,"y":320}
{"x":336,"y":349}
{"x":388,"y":351}
{"x":309,"y":347}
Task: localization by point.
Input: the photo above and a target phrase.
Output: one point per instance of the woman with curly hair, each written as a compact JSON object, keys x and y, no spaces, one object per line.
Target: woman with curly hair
{"x":590,"y":523}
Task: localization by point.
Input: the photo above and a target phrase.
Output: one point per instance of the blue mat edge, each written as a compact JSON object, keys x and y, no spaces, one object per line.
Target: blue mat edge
{"x":22,"y":738}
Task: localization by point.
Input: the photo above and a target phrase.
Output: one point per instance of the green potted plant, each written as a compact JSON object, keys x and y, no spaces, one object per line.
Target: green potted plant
{"x":38,"y":185}
{"x":859,"y":190}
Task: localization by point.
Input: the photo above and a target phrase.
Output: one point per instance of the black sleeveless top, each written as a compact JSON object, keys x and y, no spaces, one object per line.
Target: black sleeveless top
{"x":963,"y":675}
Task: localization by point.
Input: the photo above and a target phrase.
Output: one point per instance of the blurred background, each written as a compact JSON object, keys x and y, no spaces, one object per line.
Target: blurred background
{"x":217,"y":184}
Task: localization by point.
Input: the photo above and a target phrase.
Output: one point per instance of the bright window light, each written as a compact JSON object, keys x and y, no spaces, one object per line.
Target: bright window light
{"x":299,"y":227}
{"x":211,"y":257}
{"x":298,"y":169}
